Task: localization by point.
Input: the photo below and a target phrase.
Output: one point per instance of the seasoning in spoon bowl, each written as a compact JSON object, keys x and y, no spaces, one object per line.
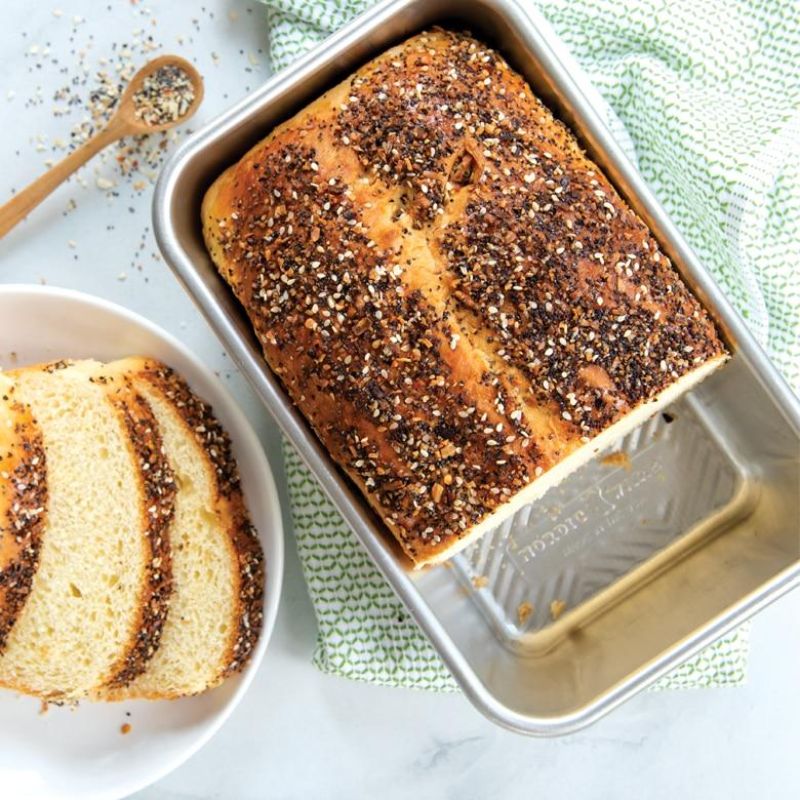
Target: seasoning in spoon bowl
{"x":164,"y":97}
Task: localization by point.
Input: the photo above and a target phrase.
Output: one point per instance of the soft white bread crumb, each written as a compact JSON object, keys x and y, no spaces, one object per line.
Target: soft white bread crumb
{"x":78,"y":620}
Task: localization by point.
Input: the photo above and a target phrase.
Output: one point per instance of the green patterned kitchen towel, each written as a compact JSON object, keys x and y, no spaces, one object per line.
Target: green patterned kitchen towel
{"x":705,"y":97}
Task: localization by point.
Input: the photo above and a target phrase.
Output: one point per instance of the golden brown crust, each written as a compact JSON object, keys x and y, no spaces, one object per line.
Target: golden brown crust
{"x":200,"y":421}
{"x":451,"y":292}
{"x":23,"y":506}
{"x":157,"y":491}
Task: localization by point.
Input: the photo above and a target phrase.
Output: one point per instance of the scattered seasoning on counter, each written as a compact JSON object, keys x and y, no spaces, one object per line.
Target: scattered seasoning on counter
{"x":165,"y":96}
{"x":77,"y":76}
{"x":125,"y":729}
{"x":93,"y":85}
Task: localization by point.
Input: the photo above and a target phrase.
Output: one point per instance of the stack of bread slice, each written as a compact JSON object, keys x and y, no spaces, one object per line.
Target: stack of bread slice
{"x":129,"y":567}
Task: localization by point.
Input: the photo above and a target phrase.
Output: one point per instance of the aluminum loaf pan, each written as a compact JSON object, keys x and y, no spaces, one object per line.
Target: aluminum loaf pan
{"x":654,"y":555}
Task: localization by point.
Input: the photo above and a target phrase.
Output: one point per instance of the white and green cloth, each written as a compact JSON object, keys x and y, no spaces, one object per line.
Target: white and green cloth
{"x":706,"y":99}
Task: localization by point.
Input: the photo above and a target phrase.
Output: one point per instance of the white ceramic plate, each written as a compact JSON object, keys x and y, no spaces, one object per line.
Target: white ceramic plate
{"x":82,"y":753}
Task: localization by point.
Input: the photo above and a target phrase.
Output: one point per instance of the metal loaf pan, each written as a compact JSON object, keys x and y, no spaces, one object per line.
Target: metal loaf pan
{"x":690,"y":528}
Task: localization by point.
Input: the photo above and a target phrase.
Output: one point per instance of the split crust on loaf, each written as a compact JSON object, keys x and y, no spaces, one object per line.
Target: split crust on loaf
{"x":452,"y":293}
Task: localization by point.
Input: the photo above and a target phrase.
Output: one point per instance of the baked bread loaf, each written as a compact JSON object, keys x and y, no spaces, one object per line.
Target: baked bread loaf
{"x":97,"y":563}
{"x":452,"y":293}
{"x":215,"y":611}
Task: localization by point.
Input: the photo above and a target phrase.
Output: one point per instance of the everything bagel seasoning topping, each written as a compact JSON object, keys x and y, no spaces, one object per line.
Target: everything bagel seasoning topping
{"x":165,"y":96}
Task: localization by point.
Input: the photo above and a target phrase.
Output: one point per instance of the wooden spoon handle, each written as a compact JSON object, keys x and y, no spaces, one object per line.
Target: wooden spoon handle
{"x":25,"y":201}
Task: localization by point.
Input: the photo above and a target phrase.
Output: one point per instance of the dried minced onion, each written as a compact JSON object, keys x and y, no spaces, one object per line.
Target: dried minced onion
{"x":164,"y":97}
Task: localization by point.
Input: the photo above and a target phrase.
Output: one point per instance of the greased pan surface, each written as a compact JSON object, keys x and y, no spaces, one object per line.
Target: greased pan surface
{"x":651,"y":555}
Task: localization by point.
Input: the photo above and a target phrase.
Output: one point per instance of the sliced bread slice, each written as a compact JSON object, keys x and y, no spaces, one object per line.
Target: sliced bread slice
{"x":99,"y":596}
{"x":157,"y":491}
{"x":218,"y":570}
{"x":23,"y":500}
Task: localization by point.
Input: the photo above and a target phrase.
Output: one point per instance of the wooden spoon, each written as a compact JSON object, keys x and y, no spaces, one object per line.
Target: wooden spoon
{"x":124,"y":122}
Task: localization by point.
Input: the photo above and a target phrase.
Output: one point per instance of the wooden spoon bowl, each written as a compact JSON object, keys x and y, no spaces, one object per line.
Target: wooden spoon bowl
{"x":125,"y":115}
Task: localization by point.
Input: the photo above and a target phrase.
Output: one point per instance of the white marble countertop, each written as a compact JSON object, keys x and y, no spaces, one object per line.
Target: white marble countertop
{"x":300,"y":733}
